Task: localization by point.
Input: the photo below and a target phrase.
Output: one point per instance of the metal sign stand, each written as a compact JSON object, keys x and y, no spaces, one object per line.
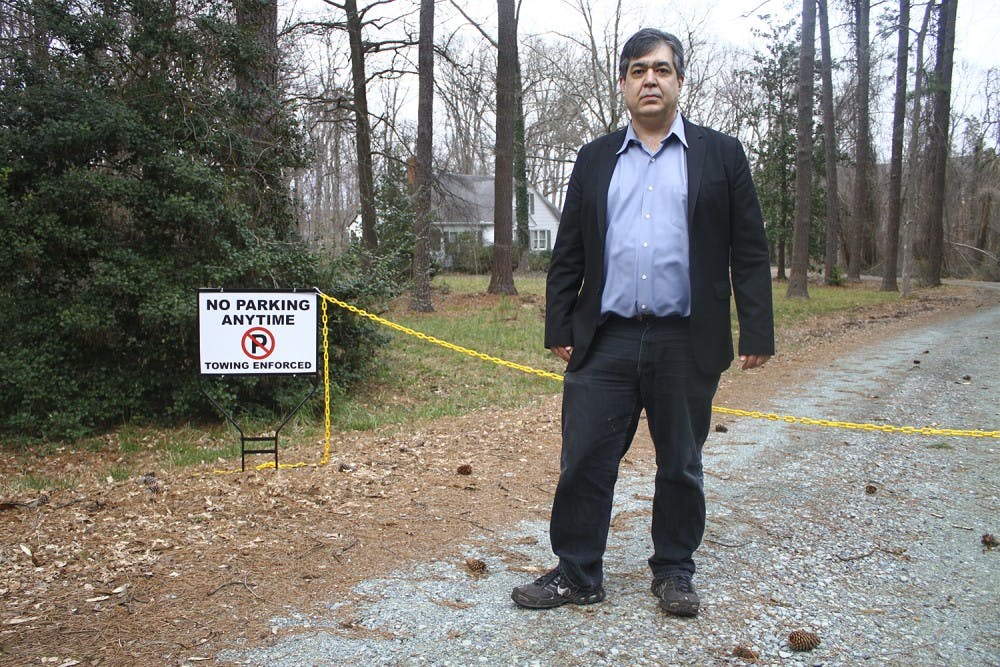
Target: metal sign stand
{"x":244,"y":439}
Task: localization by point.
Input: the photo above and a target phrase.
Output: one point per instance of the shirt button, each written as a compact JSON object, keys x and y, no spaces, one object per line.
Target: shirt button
{"x":645,"y":244}
{"x":643,"y":306}
{"x":648,"y":216}
{"x":644,"y":276}
{"x":650,"y":188}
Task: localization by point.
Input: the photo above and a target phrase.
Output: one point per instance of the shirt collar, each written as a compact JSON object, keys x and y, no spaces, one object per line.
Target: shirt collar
{"x":677,"y":127}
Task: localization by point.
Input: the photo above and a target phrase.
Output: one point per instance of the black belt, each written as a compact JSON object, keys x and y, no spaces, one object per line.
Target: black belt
{"x":647,"y":317}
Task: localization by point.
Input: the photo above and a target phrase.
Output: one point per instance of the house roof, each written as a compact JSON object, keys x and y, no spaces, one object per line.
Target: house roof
{"x":463,"y":197}
{"x":469,"y":198}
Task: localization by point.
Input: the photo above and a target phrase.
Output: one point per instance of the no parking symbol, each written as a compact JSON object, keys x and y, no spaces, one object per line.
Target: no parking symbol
{"x":258,"y":343}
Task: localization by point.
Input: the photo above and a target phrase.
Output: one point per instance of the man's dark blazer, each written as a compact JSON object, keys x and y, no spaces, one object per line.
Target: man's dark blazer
{"x":728,"y":251}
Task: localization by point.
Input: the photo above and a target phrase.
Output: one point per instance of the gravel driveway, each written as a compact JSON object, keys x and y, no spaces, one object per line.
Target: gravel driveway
{"x":873,"y":541}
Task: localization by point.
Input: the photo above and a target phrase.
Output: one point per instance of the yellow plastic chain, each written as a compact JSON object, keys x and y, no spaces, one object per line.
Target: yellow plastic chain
{"x":753,"y":414}
{"x":788,"y":419}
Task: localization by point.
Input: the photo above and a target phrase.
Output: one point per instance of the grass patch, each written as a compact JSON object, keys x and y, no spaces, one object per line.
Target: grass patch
{"x":119,"y":473}
{"x":941,"y":444}
{"x":417,"y":379}
{"x":420,"y":380}
{"x":38,"y":482}
{"x":824,"y":300}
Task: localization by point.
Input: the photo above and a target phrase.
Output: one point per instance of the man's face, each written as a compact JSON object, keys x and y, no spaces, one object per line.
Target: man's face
{"x":651,"y":86}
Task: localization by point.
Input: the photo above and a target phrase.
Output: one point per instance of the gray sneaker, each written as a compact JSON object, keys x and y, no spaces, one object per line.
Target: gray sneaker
{"x":677,"y":595}
{"x":553,"y":589}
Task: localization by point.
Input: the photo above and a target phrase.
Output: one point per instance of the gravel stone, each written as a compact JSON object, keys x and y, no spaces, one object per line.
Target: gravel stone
{"x":794,"y":540}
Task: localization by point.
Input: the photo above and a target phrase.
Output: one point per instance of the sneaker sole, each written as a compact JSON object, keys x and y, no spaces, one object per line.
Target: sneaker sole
{"x":679,"y":609}
{"x":532,"y":603}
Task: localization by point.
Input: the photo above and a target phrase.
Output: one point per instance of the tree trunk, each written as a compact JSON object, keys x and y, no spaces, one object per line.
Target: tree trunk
{"x":862,"y":148}
{"x":502,"y":278}
{"x":780,"y":260}
{"x":907,"y":258}
{"x":830,"y":274}
{"x":798,"y":281}
{"x":913,"y":142}
{"x":939,"y":141}
{"x":891,"y":249}
{"x":362,"y":128}
{"x":521,"y":175}
{"x":256,"y":80}
{"x":421,"y":295}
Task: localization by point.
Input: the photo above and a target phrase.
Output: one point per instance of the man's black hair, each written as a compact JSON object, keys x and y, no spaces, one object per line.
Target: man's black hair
{"x":645,"y":41}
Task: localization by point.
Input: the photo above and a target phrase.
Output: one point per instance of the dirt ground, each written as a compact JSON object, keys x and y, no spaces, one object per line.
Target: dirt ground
{"x":171,"y":566}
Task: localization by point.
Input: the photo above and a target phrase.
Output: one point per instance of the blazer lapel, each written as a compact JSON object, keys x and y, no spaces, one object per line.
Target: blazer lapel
{"x":605,"y":168}
{"x":695,"y":164}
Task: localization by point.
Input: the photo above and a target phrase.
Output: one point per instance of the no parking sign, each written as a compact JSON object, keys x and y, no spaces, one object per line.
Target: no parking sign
{"x":257,"y":332}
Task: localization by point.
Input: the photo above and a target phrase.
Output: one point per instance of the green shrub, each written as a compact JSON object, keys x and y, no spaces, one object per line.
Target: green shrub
{"x":128,"y":180}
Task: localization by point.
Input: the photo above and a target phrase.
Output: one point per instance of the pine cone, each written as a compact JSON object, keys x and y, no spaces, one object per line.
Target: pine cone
{"x":803,"y":640}
{"x":746,"y":653}
{"x":464,"y":469}
{"x":475,"y":565}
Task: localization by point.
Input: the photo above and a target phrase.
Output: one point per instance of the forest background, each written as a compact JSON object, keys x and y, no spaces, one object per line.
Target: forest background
{"x":149,"y":148}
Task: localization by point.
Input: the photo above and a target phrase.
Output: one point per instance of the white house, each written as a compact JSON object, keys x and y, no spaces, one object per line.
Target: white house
{"x":463,"y":206}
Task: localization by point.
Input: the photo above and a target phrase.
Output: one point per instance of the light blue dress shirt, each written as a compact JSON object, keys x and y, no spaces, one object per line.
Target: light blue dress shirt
{"x":646,"y":248}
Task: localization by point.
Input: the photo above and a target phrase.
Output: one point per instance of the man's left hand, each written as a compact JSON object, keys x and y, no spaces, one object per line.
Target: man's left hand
{"x":748,"y":361}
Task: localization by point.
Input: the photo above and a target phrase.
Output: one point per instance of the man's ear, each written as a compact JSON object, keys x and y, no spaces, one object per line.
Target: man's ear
{"x":621,"y":84}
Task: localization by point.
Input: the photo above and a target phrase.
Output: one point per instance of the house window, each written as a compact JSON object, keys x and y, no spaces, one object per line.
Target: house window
{"x":531,"y":203}
{"x":541,"y":239}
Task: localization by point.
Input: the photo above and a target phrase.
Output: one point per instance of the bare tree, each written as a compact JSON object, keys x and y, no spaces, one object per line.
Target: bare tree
{"x":830,"y":149}
{"x":554,"y":125}
{"x":798,"y":283}
{"x":421,"y":294}
{"x":939,"y":146}
{"x":595,"y":86}
{"x":891,"y":247}
{"x":362,"y":126}
{"x":502,"y":277}
{"x":465,"y":88}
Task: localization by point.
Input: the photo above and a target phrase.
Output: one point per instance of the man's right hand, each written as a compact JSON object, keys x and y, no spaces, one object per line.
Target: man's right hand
{"x":562,"y":351}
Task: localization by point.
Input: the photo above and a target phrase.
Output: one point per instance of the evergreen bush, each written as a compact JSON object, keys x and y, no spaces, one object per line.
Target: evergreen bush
{"x":128,"y":180}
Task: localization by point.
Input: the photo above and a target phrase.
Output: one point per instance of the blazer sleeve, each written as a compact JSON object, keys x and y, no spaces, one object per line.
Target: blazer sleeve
{"x":749,"y":261}
{"x":566,"y":268}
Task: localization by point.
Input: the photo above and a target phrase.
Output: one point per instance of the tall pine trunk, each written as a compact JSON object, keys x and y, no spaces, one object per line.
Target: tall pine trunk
{"x":891,"y":249}
{"x":798,"y":281}
{"x":256,"y":80}
{"x":421,"y":295}
{"x":911,"y":193}
{"x":862,"y":148}
{"x":939,"y":141}
{"x":830,"y":274}
{"x":502,"y":277}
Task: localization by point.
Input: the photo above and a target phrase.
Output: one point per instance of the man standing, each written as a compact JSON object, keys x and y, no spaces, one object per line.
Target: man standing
{"x":661,"y":225}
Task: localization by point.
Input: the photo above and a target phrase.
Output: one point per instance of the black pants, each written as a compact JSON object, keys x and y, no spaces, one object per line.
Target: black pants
{"x":632,"y":365}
